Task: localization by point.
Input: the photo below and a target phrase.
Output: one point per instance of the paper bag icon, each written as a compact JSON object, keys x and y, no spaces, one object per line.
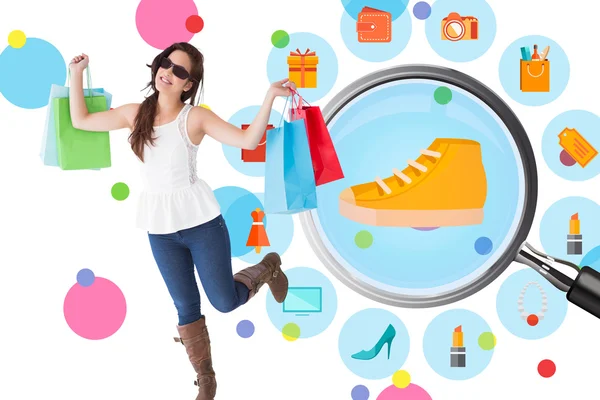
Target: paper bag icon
{"x":535,"y":76}
{"x":374,"y":26}
{"x":260,"y":153}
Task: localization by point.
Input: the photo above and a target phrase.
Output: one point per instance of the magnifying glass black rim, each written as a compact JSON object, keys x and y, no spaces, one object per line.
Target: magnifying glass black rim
{"x":510,"y":120}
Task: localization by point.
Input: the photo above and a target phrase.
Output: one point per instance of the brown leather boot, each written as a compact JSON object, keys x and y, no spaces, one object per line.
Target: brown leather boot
{"x":267,"y":271}
{"x":195,"y":338}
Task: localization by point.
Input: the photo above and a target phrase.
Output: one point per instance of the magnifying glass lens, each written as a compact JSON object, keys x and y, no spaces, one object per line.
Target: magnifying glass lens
{"x":433,"y":192}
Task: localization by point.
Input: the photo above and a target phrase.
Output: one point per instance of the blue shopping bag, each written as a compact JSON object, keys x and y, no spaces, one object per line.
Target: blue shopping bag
{"x":49,"y":151}
{"x":289,"y":177}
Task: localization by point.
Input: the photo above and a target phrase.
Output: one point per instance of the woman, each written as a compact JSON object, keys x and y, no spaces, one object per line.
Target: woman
{"x":177,"y":209}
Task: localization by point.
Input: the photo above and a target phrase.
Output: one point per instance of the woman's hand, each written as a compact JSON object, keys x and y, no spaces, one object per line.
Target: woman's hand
{"x":282,"y":88}
{"x":79,"y":63}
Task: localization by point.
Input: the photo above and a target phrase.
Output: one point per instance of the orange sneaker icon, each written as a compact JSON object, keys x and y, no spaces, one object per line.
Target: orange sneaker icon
{"x":445,"y":186}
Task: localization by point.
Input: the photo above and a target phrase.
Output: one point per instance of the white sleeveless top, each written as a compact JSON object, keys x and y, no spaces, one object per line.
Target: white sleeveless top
{"x":174,"y":198}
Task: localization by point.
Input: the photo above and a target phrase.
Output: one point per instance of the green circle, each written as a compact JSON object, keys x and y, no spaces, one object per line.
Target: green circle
{"x":363,"y":239}
{"x":291,"y":331}
{"x":120,"y":191}
{"x":487,"y":341}
{"x":280,"y":39}
{"x":442,"y":95}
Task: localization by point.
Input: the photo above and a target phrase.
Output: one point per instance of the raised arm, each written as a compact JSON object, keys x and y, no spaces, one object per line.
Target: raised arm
{"x":110,"y":120}
{"x":205,"y":122}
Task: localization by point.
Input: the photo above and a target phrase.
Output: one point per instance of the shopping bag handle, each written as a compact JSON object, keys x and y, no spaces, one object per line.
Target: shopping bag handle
{"x":535,"y":76}
{"x":89,"y":80}
{"x":287,"y":100}
{"x":302,"y":100}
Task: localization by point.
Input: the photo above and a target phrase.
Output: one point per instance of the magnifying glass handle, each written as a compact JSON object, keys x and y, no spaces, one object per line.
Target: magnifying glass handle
{"x":582,"y":285}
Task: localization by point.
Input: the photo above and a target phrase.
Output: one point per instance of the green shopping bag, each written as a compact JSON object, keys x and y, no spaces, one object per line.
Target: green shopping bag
{"x":78,"y":149}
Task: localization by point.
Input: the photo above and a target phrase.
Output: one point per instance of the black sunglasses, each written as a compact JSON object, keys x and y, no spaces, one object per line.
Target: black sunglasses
{"x":178,"y":70}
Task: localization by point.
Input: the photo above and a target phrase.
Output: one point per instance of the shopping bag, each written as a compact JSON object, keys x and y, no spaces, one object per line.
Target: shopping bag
{"x":325,"y":161}
{"x":289,"y":178}
{"x":258,"y":154}
{"x":535,"y":76}
{"x":49,"y":150}
{"x":78,"y":149}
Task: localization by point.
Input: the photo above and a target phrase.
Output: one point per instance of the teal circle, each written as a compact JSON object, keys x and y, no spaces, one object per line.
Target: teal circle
{"x":401,"y":31}
{"x":442,"y":95}
{"x":234,"y":154}
{"x":554,"y":227}
{"x":508,"y":312}
{"x":462,"y":50}
{"x":327,"y":67}
{"x":280,"y":39}
{"x":23,"y":80}
{"x":592,"y":259}
{"x":438,"y":343}
{"x":362,"y":332}
{"x":280,"y":231}
{"x":311,"y":302}
{"x":510,"y":71}
{"x":588,"y":126}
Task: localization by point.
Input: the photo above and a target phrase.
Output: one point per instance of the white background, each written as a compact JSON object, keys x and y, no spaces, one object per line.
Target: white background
{"x":56,"y":222}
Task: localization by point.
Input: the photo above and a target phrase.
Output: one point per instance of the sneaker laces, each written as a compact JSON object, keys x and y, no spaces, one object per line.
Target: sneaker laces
{"x":411,"y":163}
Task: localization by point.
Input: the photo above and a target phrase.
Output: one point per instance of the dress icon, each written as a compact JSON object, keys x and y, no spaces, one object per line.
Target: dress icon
{"x":258,"y":235}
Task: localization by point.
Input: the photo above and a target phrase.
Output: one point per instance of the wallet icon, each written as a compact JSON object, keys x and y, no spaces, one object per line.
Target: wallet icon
{"x":374,"y":26}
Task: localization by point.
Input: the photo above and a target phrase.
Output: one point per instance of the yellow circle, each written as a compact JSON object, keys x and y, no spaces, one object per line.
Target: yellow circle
{"x":401,"y":379}
{"x":291,"y":332}
{"x":205,"y":106}
{"x":17,"y":39}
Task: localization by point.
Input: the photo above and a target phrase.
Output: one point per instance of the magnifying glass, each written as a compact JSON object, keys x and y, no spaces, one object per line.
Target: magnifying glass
{"x":439,"y":193}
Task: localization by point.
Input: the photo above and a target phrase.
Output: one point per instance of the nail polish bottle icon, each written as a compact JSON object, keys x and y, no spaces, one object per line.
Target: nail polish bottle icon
{"x":574,"y":238}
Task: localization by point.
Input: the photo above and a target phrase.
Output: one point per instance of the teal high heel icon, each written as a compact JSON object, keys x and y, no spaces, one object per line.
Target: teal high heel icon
{"x":387,"y":337}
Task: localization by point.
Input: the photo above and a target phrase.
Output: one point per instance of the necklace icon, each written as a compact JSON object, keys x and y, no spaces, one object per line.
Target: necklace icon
{"x":532,"y":319}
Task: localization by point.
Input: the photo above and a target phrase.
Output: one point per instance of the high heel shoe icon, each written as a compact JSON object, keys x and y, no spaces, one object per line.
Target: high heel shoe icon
{"x":387,"y":337}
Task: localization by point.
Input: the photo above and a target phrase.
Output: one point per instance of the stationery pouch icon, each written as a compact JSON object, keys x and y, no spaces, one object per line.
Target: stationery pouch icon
{"x":374,"y":26}
{"x":535,"y":76}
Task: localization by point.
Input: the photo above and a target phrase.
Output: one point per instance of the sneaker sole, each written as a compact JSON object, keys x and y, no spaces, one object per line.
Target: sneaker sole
{"x":411,"y":218}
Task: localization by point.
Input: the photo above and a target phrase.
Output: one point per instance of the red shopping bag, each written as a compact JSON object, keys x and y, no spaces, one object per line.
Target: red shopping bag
{"x":257,"y":155}
{"x":326,"y":164}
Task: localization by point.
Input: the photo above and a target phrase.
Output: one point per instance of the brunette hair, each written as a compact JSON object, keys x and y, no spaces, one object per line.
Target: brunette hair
{"x":144,"y":120}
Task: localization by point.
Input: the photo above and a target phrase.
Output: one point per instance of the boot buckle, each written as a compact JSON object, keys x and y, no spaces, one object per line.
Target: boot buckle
{"x":275,"y":274}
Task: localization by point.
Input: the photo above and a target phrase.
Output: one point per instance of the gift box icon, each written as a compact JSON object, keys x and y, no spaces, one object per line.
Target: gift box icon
{"x":303,"y":68}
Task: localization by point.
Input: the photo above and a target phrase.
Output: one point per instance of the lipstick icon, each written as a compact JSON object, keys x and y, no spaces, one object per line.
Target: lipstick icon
{"x":574,"y":238}
{"x":458,"y":353}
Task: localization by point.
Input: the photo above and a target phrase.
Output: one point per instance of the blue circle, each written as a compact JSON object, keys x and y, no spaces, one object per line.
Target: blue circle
{"x":555,"y":228}
{"x":85,"y":277}
{"x":245,"y":329}
{"x":438,"y":344}
{"x":585,"y":124}
{"x":396,"y":7}
{"x":461,"y":50}
{"x":327,"y":67}
{"x":376,"y":133}
{"x":311,"y":302}
{"x":234,"y":154}
{"x":280,"y":231}
{"x":28,"y":73}
{"x":483,"y":246}
{"x":422,"y":10}
{"x":401,"y":30}
{"x":508,"y":309}
{"x":510,"y":71}
{"x":361,"y":345}
{"x":592,"y":259}
{"x":360,"y":392}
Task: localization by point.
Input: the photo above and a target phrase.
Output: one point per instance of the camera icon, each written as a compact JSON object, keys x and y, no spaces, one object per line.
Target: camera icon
{"x":456,"y":27}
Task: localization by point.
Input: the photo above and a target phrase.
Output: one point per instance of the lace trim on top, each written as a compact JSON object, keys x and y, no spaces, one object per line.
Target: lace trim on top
{"x":192,"y":149}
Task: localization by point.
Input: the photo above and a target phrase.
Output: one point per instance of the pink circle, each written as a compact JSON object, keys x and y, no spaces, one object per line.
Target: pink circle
{"x":162,"y":23}
{"x":96,"y":311}
{"x":411,"y":392}
{"x":566,"y":159}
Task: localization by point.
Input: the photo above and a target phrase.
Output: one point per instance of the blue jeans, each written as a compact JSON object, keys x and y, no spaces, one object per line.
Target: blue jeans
{"x":208,"y":247}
